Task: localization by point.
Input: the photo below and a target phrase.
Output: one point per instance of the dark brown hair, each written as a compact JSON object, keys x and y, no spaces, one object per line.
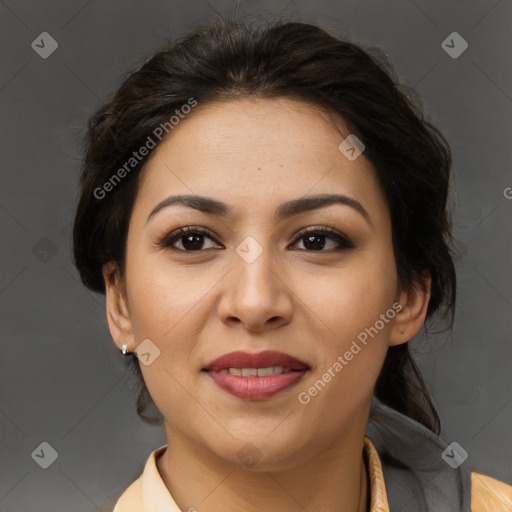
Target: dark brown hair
{"x":228,"y":58}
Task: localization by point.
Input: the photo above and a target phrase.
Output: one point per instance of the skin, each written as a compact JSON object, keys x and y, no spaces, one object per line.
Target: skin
{"x":255,"y":154}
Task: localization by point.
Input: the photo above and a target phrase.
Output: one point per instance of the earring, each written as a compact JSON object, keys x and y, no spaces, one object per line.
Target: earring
{"x":124,"y":350}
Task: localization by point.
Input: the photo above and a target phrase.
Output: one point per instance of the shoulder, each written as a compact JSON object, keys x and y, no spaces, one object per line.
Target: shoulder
{"x":489,"y":494}
{"x":130,"y":499}
{"x":148,"y":492}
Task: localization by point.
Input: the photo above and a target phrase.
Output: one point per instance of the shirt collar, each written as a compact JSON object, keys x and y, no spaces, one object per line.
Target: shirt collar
{"x":155,"y":495}
{"x":378,"y":496}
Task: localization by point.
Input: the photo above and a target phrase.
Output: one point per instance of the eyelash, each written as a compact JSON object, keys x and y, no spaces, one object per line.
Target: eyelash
{"x":170,"y":238}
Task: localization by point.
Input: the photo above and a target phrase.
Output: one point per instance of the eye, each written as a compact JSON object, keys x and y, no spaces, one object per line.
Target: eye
{"x":190,"y":238}
{"x":312,"y":238}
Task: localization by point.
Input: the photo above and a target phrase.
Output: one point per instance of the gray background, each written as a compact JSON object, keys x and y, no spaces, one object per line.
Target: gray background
{"x":62,"y":379}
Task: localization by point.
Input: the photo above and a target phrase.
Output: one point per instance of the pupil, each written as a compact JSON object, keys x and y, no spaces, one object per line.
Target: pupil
{"x":195,"y":245}
{"x":313,"y":237}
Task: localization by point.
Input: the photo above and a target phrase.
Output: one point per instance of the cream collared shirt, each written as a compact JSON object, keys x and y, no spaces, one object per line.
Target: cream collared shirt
{"x":149,"y":493}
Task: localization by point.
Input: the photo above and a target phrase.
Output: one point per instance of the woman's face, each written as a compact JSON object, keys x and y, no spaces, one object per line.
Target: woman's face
{"x":253,"y":281}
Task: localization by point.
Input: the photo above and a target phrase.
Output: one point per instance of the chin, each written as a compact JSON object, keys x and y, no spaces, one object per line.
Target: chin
{"x":261,"y":450}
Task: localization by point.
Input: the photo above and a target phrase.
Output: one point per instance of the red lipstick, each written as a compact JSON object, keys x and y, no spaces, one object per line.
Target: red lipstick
{"x":263,"y":359}
{"x":256,"y":376}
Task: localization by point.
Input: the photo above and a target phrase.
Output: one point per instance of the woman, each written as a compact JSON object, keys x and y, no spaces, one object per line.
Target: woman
{"x":265,"y":211}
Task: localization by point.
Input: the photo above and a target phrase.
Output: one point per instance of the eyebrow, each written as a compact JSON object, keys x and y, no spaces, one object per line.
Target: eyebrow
{"x":286,"y":210}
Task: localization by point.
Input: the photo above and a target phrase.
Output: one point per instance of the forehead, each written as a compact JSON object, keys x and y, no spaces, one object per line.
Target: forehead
{"x":255,"y":153}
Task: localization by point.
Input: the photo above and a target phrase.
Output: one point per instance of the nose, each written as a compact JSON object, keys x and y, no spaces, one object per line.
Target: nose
{"x":256,"y":294}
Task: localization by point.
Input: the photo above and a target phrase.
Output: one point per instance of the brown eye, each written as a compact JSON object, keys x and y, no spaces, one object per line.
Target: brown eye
{"x":313,"y":239}
{"x":192,"y":239}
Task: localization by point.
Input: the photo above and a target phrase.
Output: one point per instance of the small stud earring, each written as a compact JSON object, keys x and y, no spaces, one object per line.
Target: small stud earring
{"x":124,"y":350}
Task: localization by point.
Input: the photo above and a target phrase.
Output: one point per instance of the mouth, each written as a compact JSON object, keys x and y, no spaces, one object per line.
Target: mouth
{"x":261,"y":361}
{"x":256,"y":376}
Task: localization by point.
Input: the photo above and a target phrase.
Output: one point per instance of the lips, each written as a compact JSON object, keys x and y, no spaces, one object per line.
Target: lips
{"x":265,"y":359}
{"x":276,"y":372}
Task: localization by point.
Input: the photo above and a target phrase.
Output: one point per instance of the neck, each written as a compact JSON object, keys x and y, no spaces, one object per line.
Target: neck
{"x":334,"y":480}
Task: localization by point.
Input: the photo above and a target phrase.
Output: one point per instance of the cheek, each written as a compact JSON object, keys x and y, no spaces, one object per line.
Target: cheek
{"x":350,"y":346}
{"x":164,"y":310}
{"x":352,"y":298}
{"x":163,"y":300}
{"x":351,"y":317}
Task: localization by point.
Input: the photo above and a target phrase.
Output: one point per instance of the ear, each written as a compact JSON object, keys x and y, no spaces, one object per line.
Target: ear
{"x":410,"y":319}
{"x":118,"y":317}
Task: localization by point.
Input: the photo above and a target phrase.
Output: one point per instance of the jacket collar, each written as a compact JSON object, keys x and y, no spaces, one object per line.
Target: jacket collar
{"x":416,"y":474}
